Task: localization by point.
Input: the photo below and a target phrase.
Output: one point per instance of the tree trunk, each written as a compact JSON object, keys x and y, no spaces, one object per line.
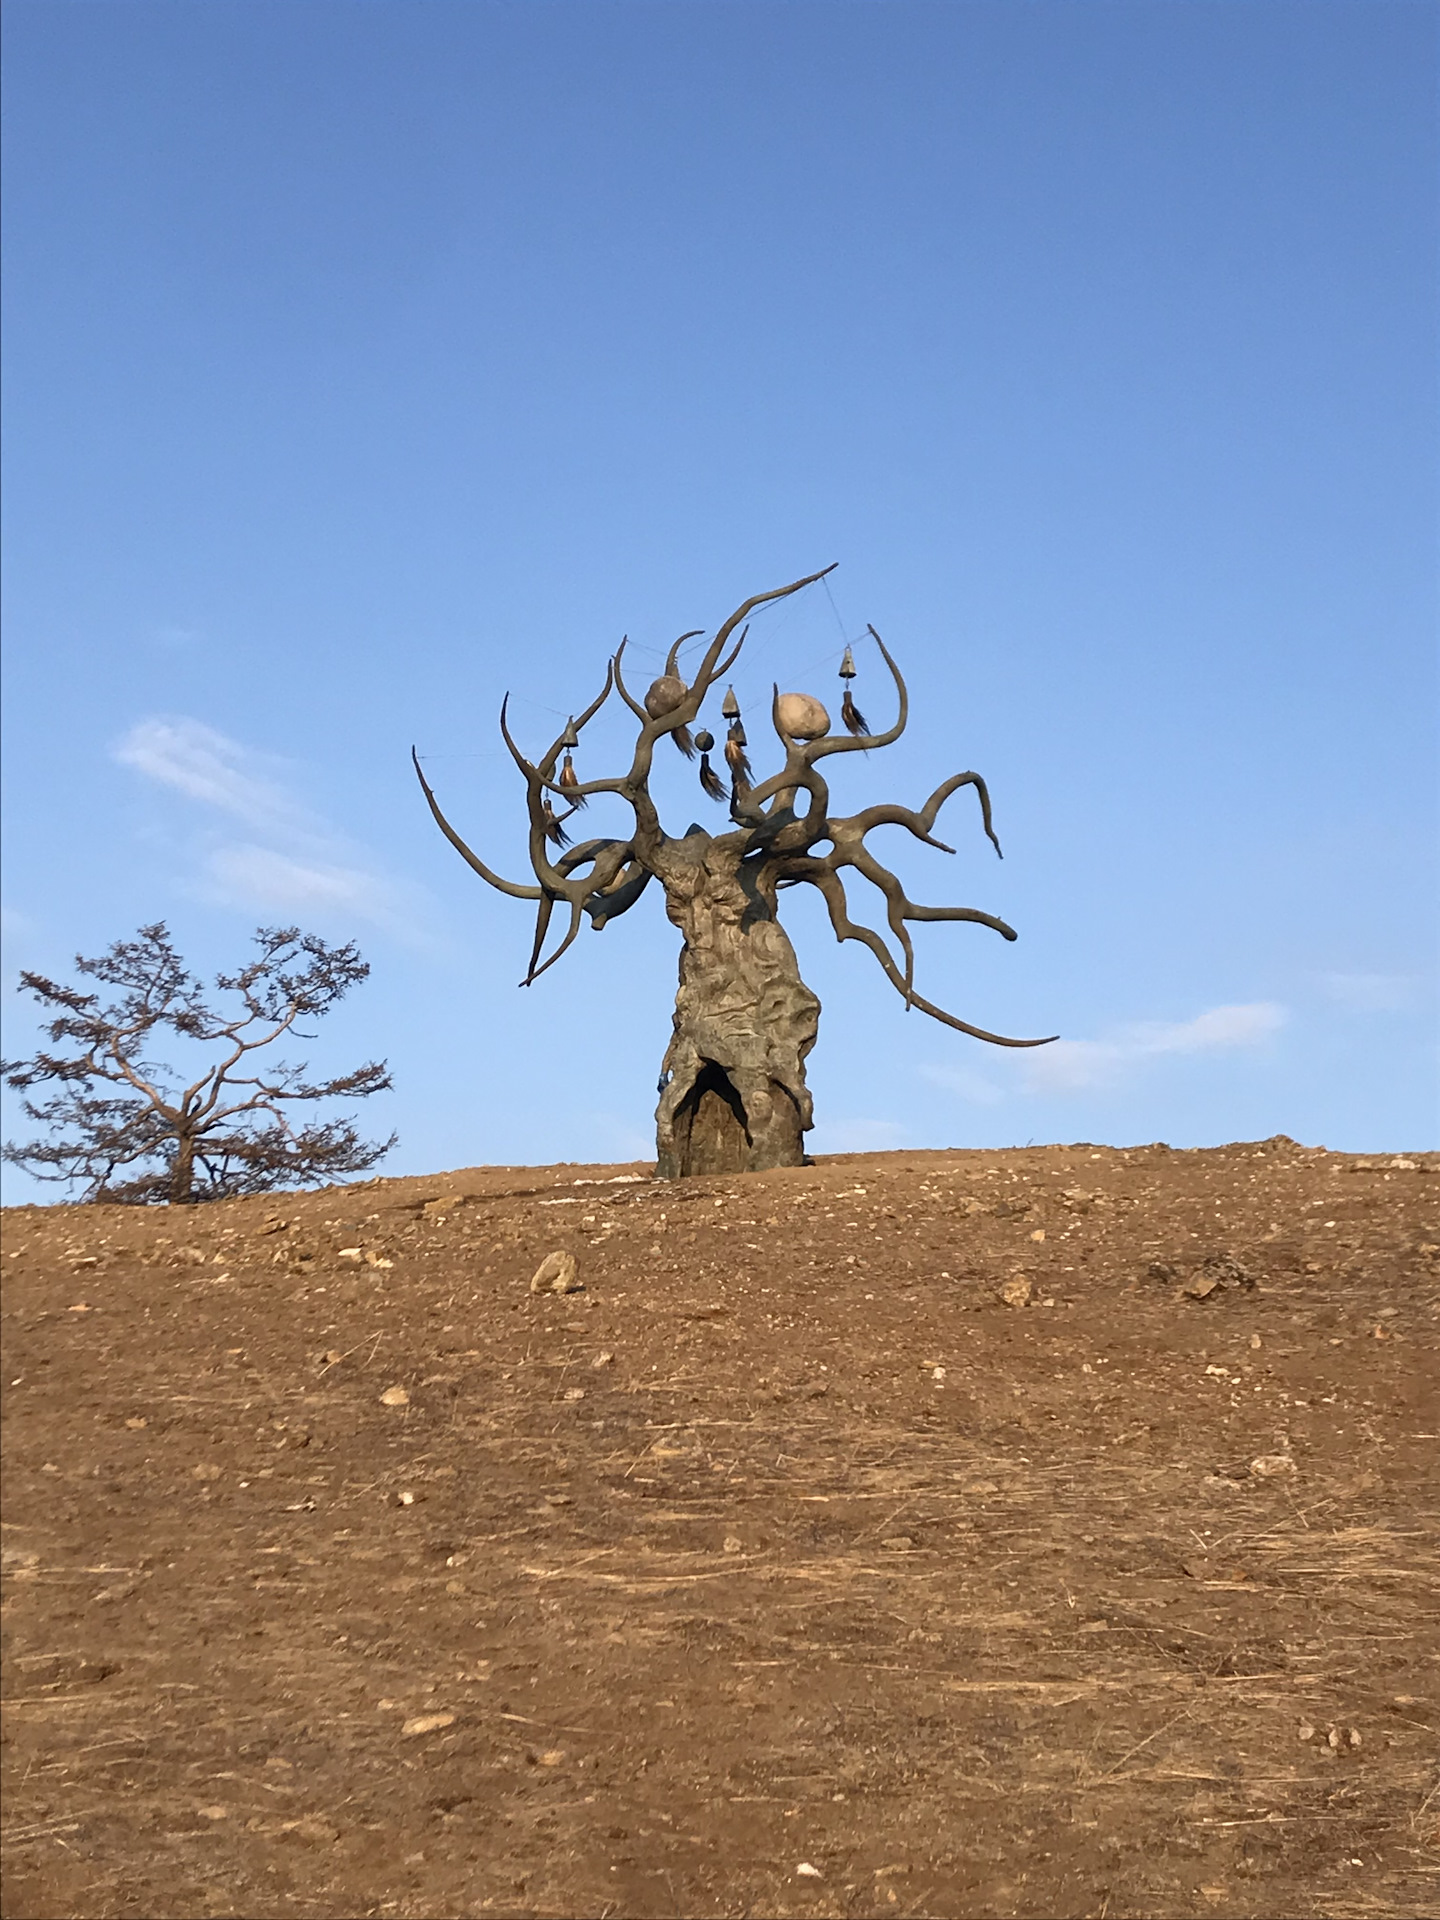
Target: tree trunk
{"x":733,"y":1098}
{"x":182,"y":1171}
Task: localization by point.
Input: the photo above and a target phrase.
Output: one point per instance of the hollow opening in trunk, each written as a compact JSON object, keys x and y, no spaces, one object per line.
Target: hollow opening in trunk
{"x":710,"y":1129}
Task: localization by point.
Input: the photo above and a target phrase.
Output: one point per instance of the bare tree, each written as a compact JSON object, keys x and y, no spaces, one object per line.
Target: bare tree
{"x":132,"y":1129}
{"x":732,"y":1087}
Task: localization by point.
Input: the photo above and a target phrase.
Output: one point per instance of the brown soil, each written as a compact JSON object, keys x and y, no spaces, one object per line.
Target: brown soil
{"x":789,"y":1568}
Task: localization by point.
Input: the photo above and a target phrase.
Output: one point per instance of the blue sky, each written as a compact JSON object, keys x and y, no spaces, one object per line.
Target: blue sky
{"x":365,"y":361}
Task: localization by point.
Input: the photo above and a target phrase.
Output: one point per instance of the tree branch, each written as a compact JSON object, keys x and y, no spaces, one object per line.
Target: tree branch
{"x":820,"y":875}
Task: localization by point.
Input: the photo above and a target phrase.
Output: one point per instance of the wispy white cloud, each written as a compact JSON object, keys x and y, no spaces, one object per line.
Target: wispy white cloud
{"x":966,"y":1082}
{"x":858,"y":1136}
{"x":1372,"y":992}
{"x":1069,"y":1066}
{"x":261,"y":877}
{"x":206,"y":765}
{"x":291,"y":861}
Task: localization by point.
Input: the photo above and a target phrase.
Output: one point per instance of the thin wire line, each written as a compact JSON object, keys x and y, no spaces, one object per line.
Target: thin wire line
{"x":834,"y":609}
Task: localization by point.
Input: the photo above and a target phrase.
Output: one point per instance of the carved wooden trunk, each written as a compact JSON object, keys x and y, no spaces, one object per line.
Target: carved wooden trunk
{"x":734,"y":1098}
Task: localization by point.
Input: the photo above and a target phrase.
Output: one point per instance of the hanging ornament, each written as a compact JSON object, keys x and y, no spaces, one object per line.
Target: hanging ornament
{"x":569,"y":779}
{"x":711,"y":783}
{"x":735,"y":756}
{"x":664,"y":696}
{"x":730,"y":707}
{"x":553,"y":829}
{"x":849,"y":712}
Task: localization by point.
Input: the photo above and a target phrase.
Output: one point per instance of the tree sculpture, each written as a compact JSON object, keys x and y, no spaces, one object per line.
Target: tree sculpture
{"x":732,"y":1088}
{"x":133,"y":1130}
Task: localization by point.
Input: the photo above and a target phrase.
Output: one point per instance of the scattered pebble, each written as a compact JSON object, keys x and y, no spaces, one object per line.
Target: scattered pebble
{"x":394,"y":1397}
{"x":1273,"y":1466}
{"x":213,"y":1813}
{"x":419,"y":1723}
{"x":1305,"y":1731}
{"x":606,"y":1359}
{"x":806,"y":1872}
{"x":1228,"y":1271}
{"x":1016,"y":1292}
{"x":1038,"y":1234}
{"x":733,"y":1543}
{"x":573,"y":1393}
{"x":898,"y":1542}
{"x":206,"y":1472}
{"x":557,"y":1273}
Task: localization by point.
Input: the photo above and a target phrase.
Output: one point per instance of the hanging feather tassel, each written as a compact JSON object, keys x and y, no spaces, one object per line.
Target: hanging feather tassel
{"x":553,"y":829}
{"x":569,"y":779}
{"x":852,"y":716}
{"x":735,"y":756}
{"x":681,"y":737}
{"x":849,"y":712}
{"x":709,"y":780}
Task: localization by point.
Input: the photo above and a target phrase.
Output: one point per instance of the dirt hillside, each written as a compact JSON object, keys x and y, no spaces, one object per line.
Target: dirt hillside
{"x":1039,"y":1533}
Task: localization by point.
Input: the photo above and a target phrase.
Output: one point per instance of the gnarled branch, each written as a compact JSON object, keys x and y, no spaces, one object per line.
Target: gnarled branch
{"x":821,"y":875}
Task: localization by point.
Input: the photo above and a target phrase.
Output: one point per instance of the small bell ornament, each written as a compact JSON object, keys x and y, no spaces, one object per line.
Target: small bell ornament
{"x":709,"y":780}
{"x":569,"y":779}
{"x":849,"y":712}
{"x":735,"y":756}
